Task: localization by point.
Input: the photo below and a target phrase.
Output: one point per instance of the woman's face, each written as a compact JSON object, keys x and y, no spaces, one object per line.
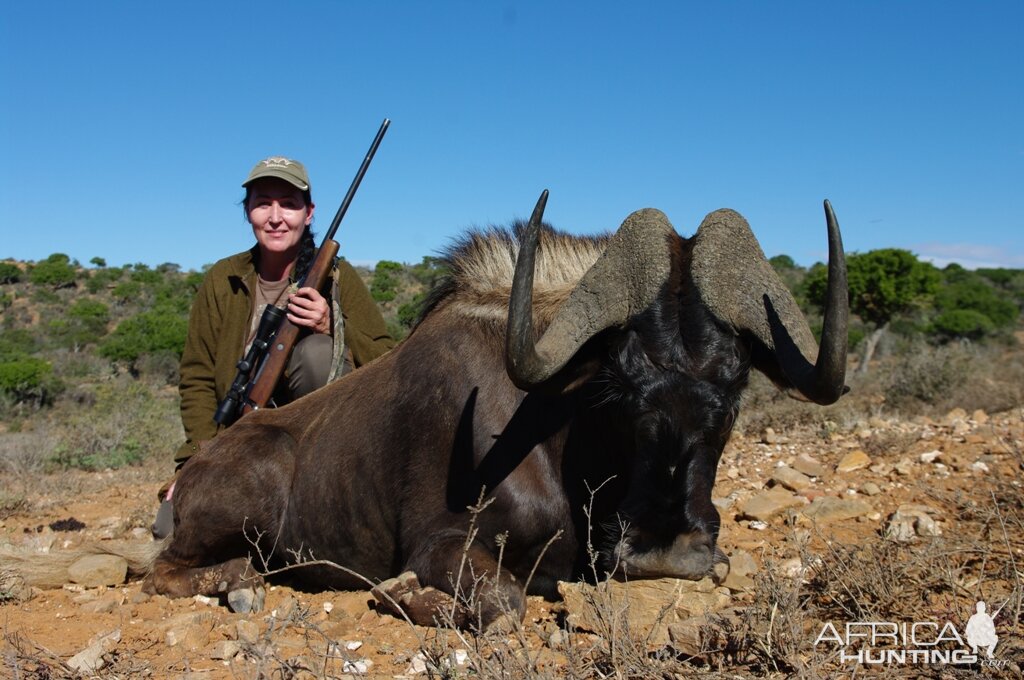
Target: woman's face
{"x":279,"y":214}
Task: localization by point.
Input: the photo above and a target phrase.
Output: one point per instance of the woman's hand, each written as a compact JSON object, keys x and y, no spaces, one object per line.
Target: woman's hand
{"x":307,"y":308}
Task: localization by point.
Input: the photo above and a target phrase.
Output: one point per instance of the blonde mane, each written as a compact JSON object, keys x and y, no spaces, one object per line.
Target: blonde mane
{"x":482,"y":264}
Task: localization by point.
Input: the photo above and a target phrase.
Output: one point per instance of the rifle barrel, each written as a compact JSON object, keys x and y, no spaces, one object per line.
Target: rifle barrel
{"x":359,"y":178}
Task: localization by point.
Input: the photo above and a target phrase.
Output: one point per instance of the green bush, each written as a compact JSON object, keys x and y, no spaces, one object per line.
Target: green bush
{"x":16,"y":342}
{"x":85,"y":323}
{"x":158,"y":330}
{"x":56,"y":271}
{"x":28,"y":380}
{"x":962,"y":323}
{"x":127,"y":291}
{"x":384,"y":286}
{"x":9,"y":273}
{"x":101,"y":278}
{"x":98,"y":262}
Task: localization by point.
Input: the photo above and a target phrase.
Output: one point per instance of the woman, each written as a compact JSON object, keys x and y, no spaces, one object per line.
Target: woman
{"x":344,"y":325}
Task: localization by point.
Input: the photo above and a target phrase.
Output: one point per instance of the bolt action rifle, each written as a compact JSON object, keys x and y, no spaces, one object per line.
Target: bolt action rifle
{"x":262,"y":366}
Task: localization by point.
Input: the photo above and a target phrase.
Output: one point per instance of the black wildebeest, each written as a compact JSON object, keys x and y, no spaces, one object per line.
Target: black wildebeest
{"x":622,"y":365}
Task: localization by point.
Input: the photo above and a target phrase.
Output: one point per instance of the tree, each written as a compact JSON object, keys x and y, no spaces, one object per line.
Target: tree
{"x":883,"y":284}
{"x":98,"y":262}
{"x":56,"y":271}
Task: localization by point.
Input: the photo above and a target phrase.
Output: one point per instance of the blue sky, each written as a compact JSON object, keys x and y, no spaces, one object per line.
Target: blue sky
{"x":127,"y":127}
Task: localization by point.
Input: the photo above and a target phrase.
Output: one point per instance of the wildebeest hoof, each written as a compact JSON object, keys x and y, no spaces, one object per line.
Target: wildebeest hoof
{"x":247,"y":600}
{"x":403,"y":596}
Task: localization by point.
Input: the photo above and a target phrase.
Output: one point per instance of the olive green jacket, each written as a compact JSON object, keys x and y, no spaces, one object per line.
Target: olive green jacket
{"x":219,"y":324}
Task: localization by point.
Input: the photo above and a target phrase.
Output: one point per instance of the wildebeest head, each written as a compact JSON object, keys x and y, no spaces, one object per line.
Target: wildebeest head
{"x":674,"y":325}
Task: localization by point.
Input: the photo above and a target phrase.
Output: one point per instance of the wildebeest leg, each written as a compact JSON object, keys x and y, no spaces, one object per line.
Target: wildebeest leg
{"x":234,"y":579}
{"x":228,"y":504}
{"x":483,"y":593}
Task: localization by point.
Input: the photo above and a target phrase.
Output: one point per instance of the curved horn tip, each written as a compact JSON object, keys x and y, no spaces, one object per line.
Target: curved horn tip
{"x":538,"y":210}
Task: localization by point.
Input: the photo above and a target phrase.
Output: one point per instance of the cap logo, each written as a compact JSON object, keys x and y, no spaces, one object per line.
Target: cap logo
{"x":277,"y":161}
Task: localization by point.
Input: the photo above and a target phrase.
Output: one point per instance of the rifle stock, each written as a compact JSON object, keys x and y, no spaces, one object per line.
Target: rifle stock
{"x":261,"y":389}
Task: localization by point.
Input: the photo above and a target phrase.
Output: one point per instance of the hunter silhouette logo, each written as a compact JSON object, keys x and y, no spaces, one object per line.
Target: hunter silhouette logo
{"x":277,"y":161}
{"x":981,"y":631}
{"x":920,"y":642}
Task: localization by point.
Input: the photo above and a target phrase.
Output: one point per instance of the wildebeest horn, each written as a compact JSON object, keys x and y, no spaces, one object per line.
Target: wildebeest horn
{"x":739,"y":286}
{"x":622,"y":282}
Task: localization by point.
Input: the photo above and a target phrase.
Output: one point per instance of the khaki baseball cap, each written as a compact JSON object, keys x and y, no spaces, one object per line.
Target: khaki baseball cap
{"x":287,"y":169}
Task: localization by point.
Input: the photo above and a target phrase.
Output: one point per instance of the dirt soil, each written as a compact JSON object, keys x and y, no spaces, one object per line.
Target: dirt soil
{"x":933,"y":463}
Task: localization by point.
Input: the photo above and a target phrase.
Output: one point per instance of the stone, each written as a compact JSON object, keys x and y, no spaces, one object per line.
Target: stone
{"x":247,"y":631}
{"x":90,"y":659}
{"x":225,"y":650}
{"x":794,"y":480}
{"x":770,"y":503}
{"x":103,"y":605}
{"x":190,"y":631}
{"x":247,"y":600}
{"x":697,"y":635}
{"x":904,"y":468}
{"x":742,"y":563}
{"x":870,"y":489}
{"x":831,"y":509}
{"x":929,"y":456}
{"x":809,"y":466}
{"x":650,"y":605}
{"x":854,"y":460}
{"x":979,"y":417}
{"x":93,"y":571}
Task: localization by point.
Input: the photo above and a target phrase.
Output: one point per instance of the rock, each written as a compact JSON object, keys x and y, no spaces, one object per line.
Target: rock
{"x":929,"y":456}
{"x":247,"y":600}
{"x":831,"y":509}
{"x":742,"y":563}
{"x":979,"y":417}
{"x":649,"y":605}
{"x":904,"y":468}
{"x":90,"y":659}
{"x":559,"y":639}
{"x":809,"y":466}
{"x":103,"y":605}
{"x":954,"y":416}
{"x":225,"y":650}
{"x":190,"y":631}
{"x":910,"y":521}
{"x":793,"y":480}
{"x":699,"y":634}
{"x":870,"y":489}
{"x":854,"y":460}
{"x":13,"y":586}
{"x":770,"y":503}
{"x":758,"y":525}
{"x":93,"y":571}
{"x":979,"y":466}
{"x":771,"y":437}
{"x":247,"y":631}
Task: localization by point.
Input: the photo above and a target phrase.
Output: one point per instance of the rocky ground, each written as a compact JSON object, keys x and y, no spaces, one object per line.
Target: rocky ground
{"x":903,"y":520}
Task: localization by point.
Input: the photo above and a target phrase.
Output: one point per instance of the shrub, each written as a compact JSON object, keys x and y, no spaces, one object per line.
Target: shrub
{"x":101,"y":278}
{"x":98,"y":262}
{"x":85,"y":323}
{"x":56,"y":271}
{"x":120,"y":423}
{"x":9,"y":273}
{"x":28,"y":380}
{"x":384,"y":286}
{"x":158,"y":330}
{"x":927,"y":374}
{"x":962,"y":323}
